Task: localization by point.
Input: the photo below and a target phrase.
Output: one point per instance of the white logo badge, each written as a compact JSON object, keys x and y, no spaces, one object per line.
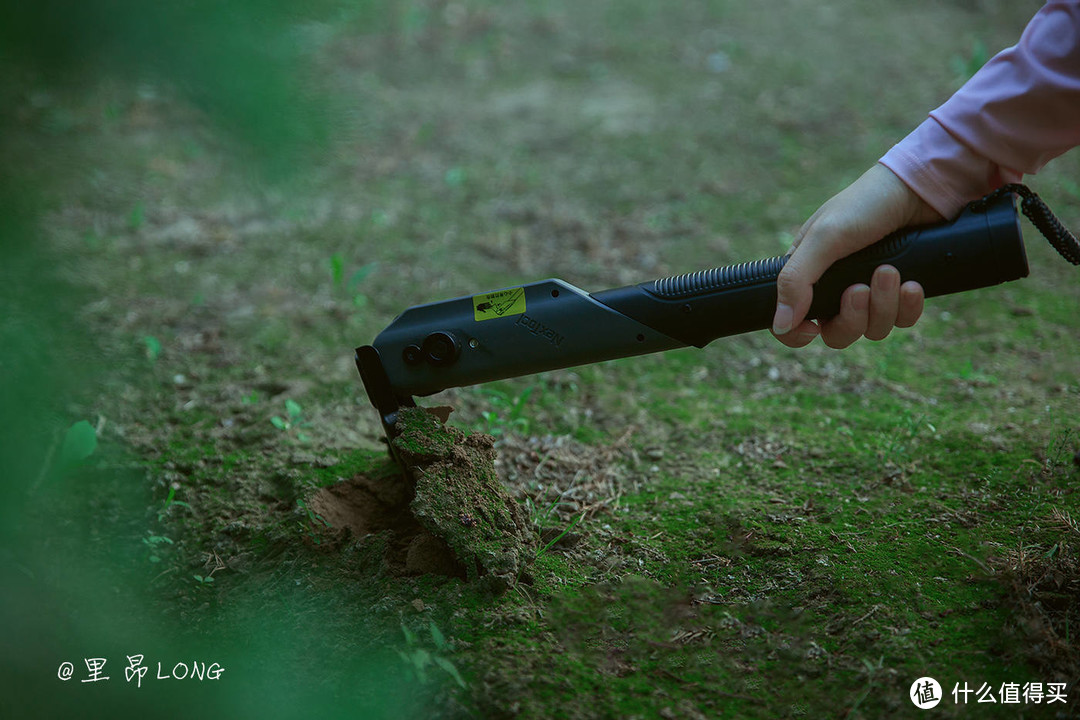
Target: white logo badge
{"x":925,"y":693}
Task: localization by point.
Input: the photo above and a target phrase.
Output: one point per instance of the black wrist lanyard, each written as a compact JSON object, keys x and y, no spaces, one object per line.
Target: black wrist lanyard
{"x":1040,"y":215}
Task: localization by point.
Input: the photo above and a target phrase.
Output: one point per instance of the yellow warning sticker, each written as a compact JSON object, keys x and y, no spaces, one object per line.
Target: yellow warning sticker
{"x":499,"y":304}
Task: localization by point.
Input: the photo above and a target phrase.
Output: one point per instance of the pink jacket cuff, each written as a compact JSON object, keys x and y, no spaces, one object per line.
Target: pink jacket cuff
{"x":943,"y":171}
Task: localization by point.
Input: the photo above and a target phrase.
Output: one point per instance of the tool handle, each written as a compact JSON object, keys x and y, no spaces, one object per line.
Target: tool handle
{"x":980,"y":248}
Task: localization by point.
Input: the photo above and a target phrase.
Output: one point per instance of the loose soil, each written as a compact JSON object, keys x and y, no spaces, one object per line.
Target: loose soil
{"x":446,"y":514}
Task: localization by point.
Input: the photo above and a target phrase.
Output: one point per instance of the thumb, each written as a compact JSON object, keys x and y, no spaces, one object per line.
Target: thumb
{"x":795,"y":283}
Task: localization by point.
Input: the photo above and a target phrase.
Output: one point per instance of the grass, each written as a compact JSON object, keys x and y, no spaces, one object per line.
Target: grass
{"x":784,"y":533}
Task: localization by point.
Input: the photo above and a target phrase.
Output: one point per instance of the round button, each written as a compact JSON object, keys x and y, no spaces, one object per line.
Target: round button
{"x":441,"y":348}
{"x":412,"y":354}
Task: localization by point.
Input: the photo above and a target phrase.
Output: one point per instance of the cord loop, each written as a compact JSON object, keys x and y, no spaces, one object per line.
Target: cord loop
{"x":1041,"y":216}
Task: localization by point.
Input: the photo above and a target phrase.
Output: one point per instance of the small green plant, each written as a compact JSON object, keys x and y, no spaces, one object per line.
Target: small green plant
{"x":252,"y":398}
{"x":507,"y":413}
{"x":540,"y":519}
{"x":455,"y":176}
{"x":337,"y":270}
{"x":419,"y":659}
{"x":337,"y":277}
{"x":169,"y":502}
{"x":339,"y":284}
{"x":154,"y":545}
{"x":209,"y":577}
{"x":1062,"y":452}
{"x":965,"y":67}
{"x":560,"y":536}
{"x":315,"y":523}
{"x":153,"y":347}
{"x":968,"y":373}
{"x":80,"y":441}
{"x":137,"y":216}
{"x":294,"y":419}
{"x":359,"y":298}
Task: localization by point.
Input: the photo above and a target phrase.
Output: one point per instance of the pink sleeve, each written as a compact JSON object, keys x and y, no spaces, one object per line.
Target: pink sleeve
{"x":1021,"y":110}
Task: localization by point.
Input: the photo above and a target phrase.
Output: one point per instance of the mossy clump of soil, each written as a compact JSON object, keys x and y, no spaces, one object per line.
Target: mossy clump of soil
{"x":459,"y":499}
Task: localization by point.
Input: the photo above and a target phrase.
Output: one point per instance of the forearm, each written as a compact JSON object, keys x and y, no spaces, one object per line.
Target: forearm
{"x":1017,"y":113}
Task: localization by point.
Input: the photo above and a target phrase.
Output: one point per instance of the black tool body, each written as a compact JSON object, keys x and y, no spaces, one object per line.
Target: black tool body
{"x":977,"y":249}
{"x":550,"y":324}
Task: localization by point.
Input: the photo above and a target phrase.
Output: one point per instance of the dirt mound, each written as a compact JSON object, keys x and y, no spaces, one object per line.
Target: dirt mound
{"x":459,"y":499}
{"x":447,"y":513}
{"x":372,"y":506}
{"x":363,"y":505}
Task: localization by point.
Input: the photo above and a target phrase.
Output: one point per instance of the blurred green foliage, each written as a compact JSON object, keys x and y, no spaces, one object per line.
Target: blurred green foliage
{"x":242,"y":62}
{"x":70,"y":520}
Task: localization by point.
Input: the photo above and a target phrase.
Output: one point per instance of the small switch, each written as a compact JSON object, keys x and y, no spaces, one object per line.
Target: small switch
{"x":412,"y":354}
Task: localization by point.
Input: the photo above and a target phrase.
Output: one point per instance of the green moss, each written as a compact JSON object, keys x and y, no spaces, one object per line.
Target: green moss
{"x":361,"y":462}
{"x":459,"y":499}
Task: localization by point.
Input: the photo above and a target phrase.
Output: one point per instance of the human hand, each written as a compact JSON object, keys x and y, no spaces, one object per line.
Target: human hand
{"x":864,"y":212}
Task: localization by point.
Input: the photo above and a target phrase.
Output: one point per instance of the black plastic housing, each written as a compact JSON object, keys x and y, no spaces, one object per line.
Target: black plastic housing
{"x":977,"y":249}
{"x":551,"y":324}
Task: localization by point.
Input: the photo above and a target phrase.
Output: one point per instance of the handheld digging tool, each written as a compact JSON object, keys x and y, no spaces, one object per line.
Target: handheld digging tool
{"x":551,"y":324}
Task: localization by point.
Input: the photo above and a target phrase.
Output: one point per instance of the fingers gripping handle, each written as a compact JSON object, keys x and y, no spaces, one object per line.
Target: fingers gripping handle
{"x":979,"y":248}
